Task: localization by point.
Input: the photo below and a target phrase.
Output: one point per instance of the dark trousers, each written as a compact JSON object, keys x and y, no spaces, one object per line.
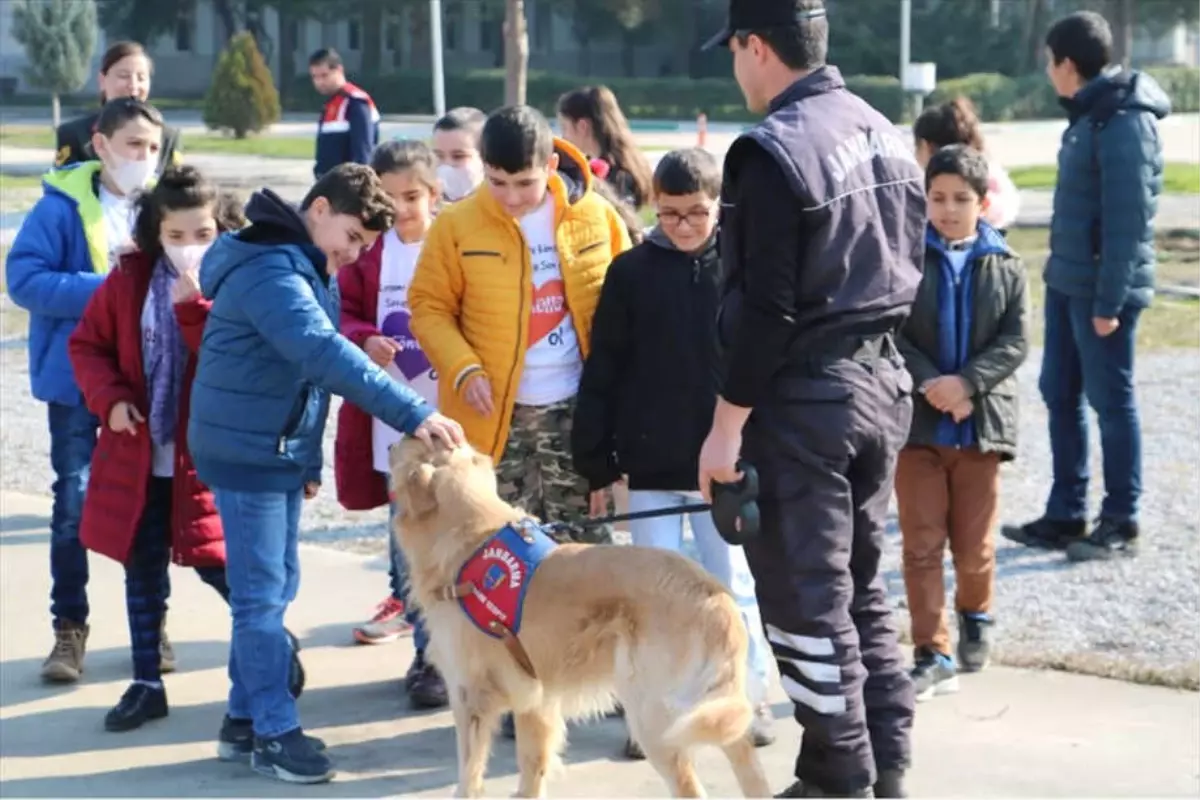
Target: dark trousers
{"x":825,"y":447}
{"x":1078,"y":364}
{"x":146,"y":584}
{"x":72,"y":441}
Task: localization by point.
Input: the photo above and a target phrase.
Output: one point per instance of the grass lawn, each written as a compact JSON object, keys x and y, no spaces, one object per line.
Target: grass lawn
{"x":1178,"y":177}
{"x":266,"y":146}
{"x":17,"y":183}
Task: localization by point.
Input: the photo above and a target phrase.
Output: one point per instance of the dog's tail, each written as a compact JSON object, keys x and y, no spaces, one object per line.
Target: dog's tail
{"x":717,"y":721}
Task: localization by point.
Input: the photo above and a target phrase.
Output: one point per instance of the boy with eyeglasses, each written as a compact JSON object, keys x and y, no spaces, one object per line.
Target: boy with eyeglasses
{"x":650,"y":384}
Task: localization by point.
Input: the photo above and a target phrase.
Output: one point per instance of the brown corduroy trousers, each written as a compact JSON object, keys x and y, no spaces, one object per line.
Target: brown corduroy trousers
{"x":945,"y":495}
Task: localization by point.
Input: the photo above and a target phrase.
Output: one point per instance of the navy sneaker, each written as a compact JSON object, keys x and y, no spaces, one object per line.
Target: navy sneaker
{"x":933,"y":674}
{"x":291,"y":758}
{"x":974,"y":641}
{"x":236,"y":740}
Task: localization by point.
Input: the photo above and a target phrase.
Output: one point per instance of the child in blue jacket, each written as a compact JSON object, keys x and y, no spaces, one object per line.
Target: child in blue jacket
{"x":271,"y":355}
{"x":59,"y":257}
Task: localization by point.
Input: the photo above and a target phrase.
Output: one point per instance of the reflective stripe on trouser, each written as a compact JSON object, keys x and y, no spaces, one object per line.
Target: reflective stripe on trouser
{"x":825,"y":450}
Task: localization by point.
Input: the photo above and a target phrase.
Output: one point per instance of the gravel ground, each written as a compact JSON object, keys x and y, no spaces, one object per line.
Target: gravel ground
{"x":1136,"y":619}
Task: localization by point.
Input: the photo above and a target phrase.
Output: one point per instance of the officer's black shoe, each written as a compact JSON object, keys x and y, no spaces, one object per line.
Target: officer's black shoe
{"x":140,"y":704}
{"x":974,"y":641}
{"x":890,"y":783}
{"x":1048,"y":534}
{"x":1109,"y":540}
{"x":427,"y":688}
{"x":933,"y":674}
{"x":802,"y":789}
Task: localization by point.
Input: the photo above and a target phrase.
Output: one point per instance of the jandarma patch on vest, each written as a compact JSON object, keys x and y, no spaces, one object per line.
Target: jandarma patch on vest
{"x":498,"y":575}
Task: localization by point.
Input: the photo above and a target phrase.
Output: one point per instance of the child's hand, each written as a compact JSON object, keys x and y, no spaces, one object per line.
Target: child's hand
{"x":478,"y":393}
{"x":598,"y":503}
{"x":962,"y":411}
{"x":946,"y":392}
{"x":185,"y":287}
{"x":310,"y":489}
{"x":124,"y":418}
{"x":381,"y":349}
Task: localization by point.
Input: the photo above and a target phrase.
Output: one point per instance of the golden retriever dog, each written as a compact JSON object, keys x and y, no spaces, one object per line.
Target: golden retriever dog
{"x":644,"y":627}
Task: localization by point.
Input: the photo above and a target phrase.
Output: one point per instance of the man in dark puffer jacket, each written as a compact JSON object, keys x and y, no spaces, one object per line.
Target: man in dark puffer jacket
{"x":1099,"y":278}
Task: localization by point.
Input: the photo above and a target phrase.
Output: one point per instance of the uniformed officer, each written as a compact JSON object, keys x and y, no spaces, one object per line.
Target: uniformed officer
{"x":125,"y":71}
{"x":822,"y":225}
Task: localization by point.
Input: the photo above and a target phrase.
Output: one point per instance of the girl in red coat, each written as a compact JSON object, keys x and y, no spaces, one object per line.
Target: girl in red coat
{"x":134,"y":356}
{"x":375,"y":316}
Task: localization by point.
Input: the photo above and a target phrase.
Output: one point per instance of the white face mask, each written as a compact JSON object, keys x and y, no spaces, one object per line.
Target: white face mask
{"x":186,"y":258}
{"x":128,"y":175}
{"x":458,"y":182}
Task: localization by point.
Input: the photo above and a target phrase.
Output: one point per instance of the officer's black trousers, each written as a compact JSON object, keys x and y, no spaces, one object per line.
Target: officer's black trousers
{"x":825,"y":447}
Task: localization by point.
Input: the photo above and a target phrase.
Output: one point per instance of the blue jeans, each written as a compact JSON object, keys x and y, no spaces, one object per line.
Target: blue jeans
{"x":263,"y":570}
{"x":72,"y":441}
{"x":398,"y":576}
{"x":726,"y":563}
{"x":1077,"y":364}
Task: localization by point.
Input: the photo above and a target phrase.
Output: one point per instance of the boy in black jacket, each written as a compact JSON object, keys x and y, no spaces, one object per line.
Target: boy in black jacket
{"x":963,"y":342}
{"x":650,"y":383}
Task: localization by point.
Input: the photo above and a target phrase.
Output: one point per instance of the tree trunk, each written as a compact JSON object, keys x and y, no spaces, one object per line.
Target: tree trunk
{"x":55,"y":110}
{"x":1032,"y":37}
{"x":516,"y":52}
{"x":287,"y":52}
{"x":628,"y":54}
{"x":224,"y":10}
{"x":1122,"y":25}
{"x":372,"y":40}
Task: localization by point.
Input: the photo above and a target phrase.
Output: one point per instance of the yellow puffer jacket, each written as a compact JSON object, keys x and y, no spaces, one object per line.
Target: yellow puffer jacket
{"x":472,"y":292}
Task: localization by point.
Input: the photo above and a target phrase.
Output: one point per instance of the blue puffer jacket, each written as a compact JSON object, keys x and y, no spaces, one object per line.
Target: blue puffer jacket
{"x":57,"y":260}
{"x":1110,"y":169}
{"x":270,"y":356}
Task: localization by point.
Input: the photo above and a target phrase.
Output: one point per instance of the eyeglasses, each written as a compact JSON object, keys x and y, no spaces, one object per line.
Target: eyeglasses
{"x":695,"y":218}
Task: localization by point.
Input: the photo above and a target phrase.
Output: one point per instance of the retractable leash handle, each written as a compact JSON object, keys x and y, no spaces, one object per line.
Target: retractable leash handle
{"x":735,"y":506}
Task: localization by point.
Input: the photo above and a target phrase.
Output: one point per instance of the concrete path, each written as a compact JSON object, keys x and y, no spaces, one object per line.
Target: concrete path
{"x":1008,"y":734}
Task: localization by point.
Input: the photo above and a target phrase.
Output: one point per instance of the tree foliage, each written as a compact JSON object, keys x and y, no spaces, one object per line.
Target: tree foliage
{"x":242,"y":97}
{"x":59,"y":37}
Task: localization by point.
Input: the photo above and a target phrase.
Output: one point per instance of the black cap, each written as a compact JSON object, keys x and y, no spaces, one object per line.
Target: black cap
{"x":756,"y":14}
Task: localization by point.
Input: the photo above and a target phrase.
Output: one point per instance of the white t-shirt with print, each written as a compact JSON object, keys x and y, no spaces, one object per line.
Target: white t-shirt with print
{"x":553,"y":362}
{"x":162,"y":462}
{"x":119,"y":215}
{"x":393,"y":318}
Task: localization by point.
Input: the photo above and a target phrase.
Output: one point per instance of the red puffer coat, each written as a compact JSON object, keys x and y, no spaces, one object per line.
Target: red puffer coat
{"x":106,"y":354}
{"x":359,"y":486}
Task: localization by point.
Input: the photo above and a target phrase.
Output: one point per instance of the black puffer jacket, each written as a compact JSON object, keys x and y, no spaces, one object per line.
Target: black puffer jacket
{"x":650,"y":381}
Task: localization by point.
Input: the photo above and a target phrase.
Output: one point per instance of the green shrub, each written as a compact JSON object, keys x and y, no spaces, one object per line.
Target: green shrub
{"x":241,"y":97}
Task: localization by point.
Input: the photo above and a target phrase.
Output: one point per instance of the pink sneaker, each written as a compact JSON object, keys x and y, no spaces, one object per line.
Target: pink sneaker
{"x":387,"y":625}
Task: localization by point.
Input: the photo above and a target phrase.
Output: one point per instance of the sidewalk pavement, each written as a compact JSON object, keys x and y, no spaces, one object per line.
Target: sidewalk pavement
{"x":1009,"y":733}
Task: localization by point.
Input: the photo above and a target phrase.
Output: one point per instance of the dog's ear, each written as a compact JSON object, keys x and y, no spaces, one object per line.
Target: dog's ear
{"x":421,"y":496}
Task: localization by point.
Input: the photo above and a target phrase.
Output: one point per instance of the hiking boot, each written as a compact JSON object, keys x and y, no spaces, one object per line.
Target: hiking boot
{"x":291,"y":758}
{"x":140,"y":704}
{"x":1109,"y":540}
{"x":890,"y":783}
{"x":166,"y":653}
{"x":296,"y":674}
{"x":933,"y":674}
{"x":235,"y":742}
{"x":1047,"y":534}
{"x":387,"y":625}
{"x":65,"y":662}
{"x":974,"y":641}
{"x":426,"y":687}
{"x":762,"y":729}
{"x":802,"y":789}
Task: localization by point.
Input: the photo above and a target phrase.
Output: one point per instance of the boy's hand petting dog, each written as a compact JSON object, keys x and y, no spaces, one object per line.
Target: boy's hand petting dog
{"x":478,"y":393}
{"x":124,"y":418}
{"x":381,"y":349}
{"x":947,"y":392}
{"x":437,"y":426}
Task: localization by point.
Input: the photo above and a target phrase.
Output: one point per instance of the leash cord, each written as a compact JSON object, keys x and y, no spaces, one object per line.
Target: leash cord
{"x":652,"y":513}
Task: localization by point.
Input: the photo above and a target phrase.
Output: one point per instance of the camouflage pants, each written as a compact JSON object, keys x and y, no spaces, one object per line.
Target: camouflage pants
{"x":535,"y":473}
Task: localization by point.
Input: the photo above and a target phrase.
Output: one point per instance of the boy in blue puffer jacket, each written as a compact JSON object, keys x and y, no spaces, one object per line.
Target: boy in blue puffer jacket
{"x":271,"y":355}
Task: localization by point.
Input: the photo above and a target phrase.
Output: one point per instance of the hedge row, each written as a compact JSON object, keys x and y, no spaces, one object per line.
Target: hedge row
{"x":997,"y":97}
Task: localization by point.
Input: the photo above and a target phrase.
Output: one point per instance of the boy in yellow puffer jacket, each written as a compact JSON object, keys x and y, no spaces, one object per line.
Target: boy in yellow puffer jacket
{"x":502,"y":302}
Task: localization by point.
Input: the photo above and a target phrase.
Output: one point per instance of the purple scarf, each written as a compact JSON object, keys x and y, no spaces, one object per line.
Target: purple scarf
{"x":164,"y":357}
